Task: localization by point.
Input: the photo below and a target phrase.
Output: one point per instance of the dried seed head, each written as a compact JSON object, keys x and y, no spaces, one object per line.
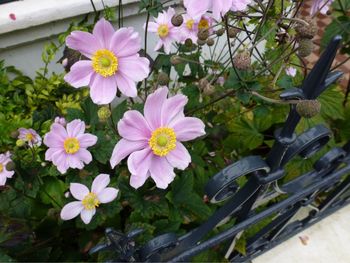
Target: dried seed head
{"x":242,"y":60}
{"x":177,"y":20}
{"x":103,"y":113}
{"x":220,"y":32}
{"x":175,"y":60}
{"x":308,"y":108}
{"x":305,"y":31}
{"x":203,"y":34}
{"x":201,"y":42}
{"x":232,"y":32}
{"x":163,"y":79}
{"x":306,"y":46}
{"x":210,"y":42}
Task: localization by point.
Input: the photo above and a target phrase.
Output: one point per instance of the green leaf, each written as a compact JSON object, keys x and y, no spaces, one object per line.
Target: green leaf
{"x":52,"y":191}
{"x":118,"y":111}
{"x":331,"y":104}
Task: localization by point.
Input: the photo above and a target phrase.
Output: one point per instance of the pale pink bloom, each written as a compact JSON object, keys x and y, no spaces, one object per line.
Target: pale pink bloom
{"x":197,"y":8}
{"x":67,"y":146}
{"x":190,"y":27}
{"x":5,"y":158}
{"x":30,"y":136}
{"x":114,"y":62}
{"x":291,"y":71}
{"x":320,"y":5}
{"x":153,"y":141}
{"x":240,"y":5}
{"x":88,"y":200}
{"x":165,"y":30}
{"x":61,"y":120}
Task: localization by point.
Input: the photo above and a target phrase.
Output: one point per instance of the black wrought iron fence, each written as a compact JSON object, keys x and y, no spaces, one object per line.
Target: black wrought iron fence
{"x":318,"y":192}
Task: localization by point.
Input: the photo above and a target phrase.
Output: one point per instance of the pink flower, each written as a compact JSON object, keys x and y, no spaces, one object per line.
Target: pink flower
{"x":88,"y":200}
{"x":61,"y":120}
{"x":196,"y":8}
{"x":190,"y":28}
{"x":67,"y":146}
{"x":320,"y":5}
{"x":30,"y":136}
{"x":114,"y":62}
{"x":166,"y":31}
{"x":240,"y":5}
{"x":291,"y":71}
{"x":4,"y":174}
{"x":153,"y":141}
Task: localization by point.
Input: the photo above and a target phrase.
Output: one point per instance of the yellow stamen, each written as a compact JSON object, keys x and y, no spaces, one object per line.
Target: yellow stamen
{"x":163,"y":141}
{"x":203,"y":24}
{"x":105,"y":63}
{"x":71,"y":145}
{"x":29,"y":137}
{"x":90,"y":201}
{"x":163,"y":30}
{"x":1,"y":167}
{"x":190,"y":23}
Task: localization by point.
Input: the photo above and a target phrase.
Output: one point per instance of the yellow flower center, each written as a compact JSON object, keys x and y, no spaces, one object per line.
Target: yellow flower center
{"x":163,"y":141}
{"x":105,"y":63}
{"x":163,"y":30}
{"x":190,"y":23}
{"x":29,"y":137}
{"x":203,"y":24}
{"x":1,"y":167}
{"x":90,"y":201}
{"x":71,"y":145}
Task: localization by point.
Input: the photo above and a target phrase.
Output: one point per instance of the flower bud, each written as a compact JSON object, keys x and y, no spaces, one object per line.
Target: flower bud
{"x":308,"y":108}
{"x":188,"y":42}
{"x":10,"y":166}
{"x":306,"y":47}
{"x":20,"y":143}
{"x":177,"y":20}
{"x":163,"y":79}
{"x":210,"y":42}
{"x":201,"y":42}
{"x":220,"y":32}
{"x":304,"y":31}
{"x":103,"y":113}
{"x":232,"y":32}
{"x":203,"y":34}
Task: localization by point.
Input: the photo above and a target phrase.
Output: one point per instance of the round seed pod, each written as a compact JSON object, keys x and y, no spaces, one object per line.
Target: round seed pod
{"x":242,"y":60}
{"x":188,"y":42}
{"x":308,"y":108}
{"x":232,"y":32}
{"x":201,"y":42}
{"x":177,"y":20}
{"x":10,"y":166}
{"x":203,"y":34}
{"x":220,"y":32}
{"x":210,"y":42}
{"x":306,"y":31}
{"x":175,"y":60}
{"x":103,"y":113}
{"x":163,"y":79}
{"x":306,"y":46}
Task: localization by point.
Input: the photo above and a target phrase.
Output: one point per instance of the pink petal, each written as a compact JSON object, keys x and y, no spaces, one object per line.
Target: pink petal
{"x":197,"y":8}
{"x":161,"y":172}
{"x":103,"y":90}
{"x":52,"y":139}
{"x":179,"y":157}
{"x":2,"y":180}
{"x":80,"y":74}
{"x":75,"y":128}
{"x":84,"y":155}
{"x":134,"y":67}
{"x":58,"y":131}
{"x":84,"y":42}
{"x":152,"y":27}
{"x":172,"y":107}
{"x":103,"y":31}
{"x":79,"y":191}
{"x":134,"y":127}
{"x":154,"y":103}
{"x":125,"y":147}
{"x":71,"y":210}
{"x":100,"y":183}
{"x":86,"y":215}
{"x":107,"y":195}
{"x":87,"y":140}
{"x":188,"y":128}
{"x":138,"y":164}
{"x":126,"y":85}
{"x":74,"y":161}
{"x":125,"y":42}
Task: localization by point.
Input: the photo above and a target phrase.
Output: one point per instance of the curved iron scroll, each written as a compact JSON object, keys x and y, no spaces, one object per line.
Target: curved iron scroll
{"x":328,"y":183}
